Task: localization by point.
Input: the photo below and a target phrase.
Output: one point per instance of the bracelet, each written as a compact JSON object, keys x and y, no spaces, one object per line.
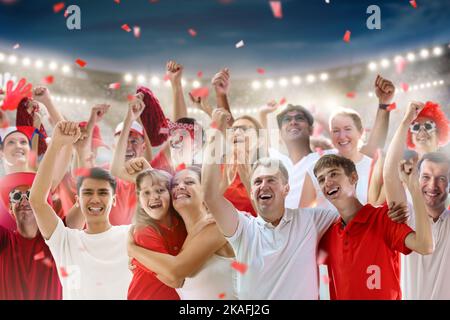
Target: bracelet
{"x":383,"y":106}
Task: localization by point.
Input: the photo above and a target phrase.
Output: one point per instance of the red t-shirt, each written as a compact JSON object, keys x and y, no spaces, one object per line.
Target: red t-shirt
{"x":145,"y":285}
{"x":27,"y":269}
{"x":363,"y":257}
{"x":6,"y":220}
{"x":237,"y":195}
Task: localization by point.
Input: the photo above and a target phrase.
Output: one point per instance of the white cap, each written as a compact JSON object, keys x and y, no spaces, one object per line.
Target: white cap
{"x":135,"y":126}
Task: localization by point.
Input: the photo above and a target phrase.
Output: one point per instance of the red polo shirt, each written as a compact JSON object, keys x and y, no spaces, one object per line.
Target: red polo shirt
{"x":363,"y":257}
{"x":145,"y":285}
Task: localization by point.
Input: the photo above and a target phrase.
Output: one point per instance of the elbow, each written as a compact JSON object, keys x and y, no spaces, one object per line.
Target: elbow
{"x":175,"y":274}
{"x":426,"y":249}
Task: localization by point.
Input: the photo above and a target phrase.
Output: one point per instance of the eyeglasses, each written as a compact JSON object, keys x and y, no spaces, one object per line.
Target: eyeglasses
{"x":429,"y":126}
{"x":297,"y":118}
{"x":243,"y":128}
{"x":16,"y":196}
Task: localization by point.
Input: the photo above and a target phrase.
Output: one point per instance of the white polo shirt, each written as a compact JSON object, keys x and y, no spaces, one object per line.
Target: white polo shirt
{"x":297,"y":173}
{"x":281,"y":260}
{"x":91,"y":266}
{"x":428,"y":277}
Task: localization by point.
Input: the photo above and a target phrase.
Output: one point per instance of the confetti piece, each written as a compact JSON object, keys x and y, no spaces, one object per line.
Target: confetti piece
{"x":260,"y":70}
{"x":240,"y":44}
{"x":282,"y":101}
{"x":325,"y":279}
{"x":63,"y":272}
{"x":400,"y":65}
{"x":114,"y":86}
{"x":66,"y":14}
{"x":392,"y":106}
{"x":347,"y":36}
{"x":413,"y":4}
{"x":214,"y":125}
{"x":405,"y":86}
{"x":222,"y":295}
{"x":48,"y":262}
{"x":166,"y":77}
{"x":16,"y":46}
{"x":131,"y":97}
{"x":81,"y":63}
{"x":319,"y":151}
{"x":137,"y":31}
{"x":39,"y":256}
{"x":351,"y":95}
{"x":82,"y":172}
{"x":202,"y":92}
{"x":48,"y":79}
{"x":126,"y":27}
{"x":276,"y":9}
{"x":192,"y":32}
{"x":199,"y":74}
{"x":321,"y":257}
{"x":57,"y":7}
{"x":241,"y":267}
{"x":117,"y":1}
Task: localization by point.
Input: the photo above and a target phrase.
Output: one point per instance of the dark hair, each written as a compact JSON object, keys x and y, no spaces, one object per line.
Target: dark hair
{"x":333,"y":160}
{"x":298,"y":108}
{"x":193,"y":122}
{"x":97,"y":174}
{"x":435,"y":157}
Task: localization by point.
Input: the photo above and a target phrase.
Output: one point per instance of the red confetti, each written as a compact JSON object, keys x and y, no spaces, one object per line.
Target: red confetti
{"x":404,"y":86}
{"x":166,"y":77}
{"x":39,"y":256}
{"x":48,"y":80}
{"x":192,"y":32}
{"x":260,"y":70}
{"x":126,"y":27}
{"x":347,"y":36}
{"x":117,"y":1}
{"x":82,"y":172}
{"x":282,"y":101}
{"x":114,"y":86}
{"x":400,"y":65}
{"x":222,"y":295}
{"x":214,"y":125}
{"x":66,"y":14}
{"x":154,"y":1}
{"x":57,"y":7}
{"x":321,"y":257}
{"x":63,"y":272}
{"x":276,"y":9}
{"x":319,"y":151}
{"x":392,"y":106}
{"x":199,"y":74}
{"x":325,"y":279}
{"x":351,"y":95}
{"x":241,"y":267}
{"x":131,"y":97}
{"x":137,"y":31}
{"x":200,"y":92}
{"x":81,"y":63}
{"x":48,"y":262}
{"x":413,"y":4}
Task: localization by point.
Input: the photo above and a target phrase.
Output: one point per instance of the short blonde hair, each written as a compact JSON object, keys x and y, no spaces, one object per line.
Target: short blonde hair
{"x":349,"y":113}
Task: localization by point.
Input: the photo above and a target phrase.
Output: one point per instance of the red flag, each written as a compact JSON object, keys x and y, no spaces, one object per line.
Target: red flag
{"x":276,"y":9}
{"x":347,"y":36}
{"x":57,"y":7}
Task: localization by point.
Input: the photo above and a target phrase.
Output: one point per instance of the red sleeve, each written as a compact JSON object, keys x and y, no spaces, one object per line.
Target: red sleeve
{"x":395,"y":233}
{"x":3,"y":237}
{"x":161,"y":162}
{"x":150,"y":239}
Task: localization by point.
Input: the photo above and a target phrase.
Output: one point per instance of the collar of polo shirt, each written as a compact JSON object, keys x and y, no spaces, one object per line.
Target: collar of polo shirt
{"x":287,"y":216}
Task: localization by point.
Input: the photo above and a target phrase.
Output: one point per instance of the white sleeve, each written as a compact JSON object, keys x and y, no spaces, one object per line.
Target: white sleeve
{"x":237,"y":240}
{"x":58,"y":241}
{"x":323,"y":219}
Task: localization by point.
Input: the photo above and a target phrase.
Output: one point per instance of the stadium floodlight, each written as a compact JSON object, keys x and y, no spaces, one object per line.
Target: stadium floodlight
{"x":77,"y":101}
{"x":296,"y":80}
{"x":71,"y":100}
{"x":196,"y":84}
{"x":311,"y":78}
{"x":441,"y":82}
{"x":411,"y":57}
{"x":242,"y":110}
{"x":385,"y":63}
{"x":255,"y":110}
{"x":435,"y":83}
{"x":324,"y":76}
{"x":437,"y":51}
{"x":398,"y":58}
{"x":416,"y":87}
{"x":2,"y":57}
{"x":128,"y":77}
{"x":26,"y":62}
{"x":422,"y":85}
{"x":64,"y":99}
{"x":372,"y":66}
{"x":283,"y":82}
{"x":155,"y":81}
{"x":370,"y":94}
{"x":65,"y":69}
{"x":189,"y":110}
{"x":183,"y":83}
{"x":53,"y":66}
{"x":140,"y":79}
{"x":256,"y":85}
{"x":269,"y":84}
{"x":428,"y":84}
{"x":39,"y":64}
{"x":12,"y":59}
{"x":83,"y":102}
{"x":57,"y":99}
{"x":424,"y":53}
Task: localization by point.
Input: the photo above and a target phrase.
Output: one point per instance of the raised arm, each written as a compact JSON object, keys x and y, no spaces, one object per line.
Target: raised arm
{"x":42,"y":95}
{"x":221,"y":84}
{"x":65,"y":133}
{"x":175,"y":72}
{"x":393,"y":186}
{"x":420,"y":241}
{"x":202,"y":104}
{"x":384,"y":90}
{"x":135,"y":108}
{"x":223,"y":211}
{"x":308,"y":195}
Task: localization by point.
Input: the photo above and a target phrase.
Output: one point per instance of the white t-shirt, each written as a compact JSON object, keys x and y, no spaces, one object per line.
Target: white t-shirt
{"x":428,"y":277}
{"x":297,"y":173}
{"x":362,"y":187}
{"x":281,"y":260}
{"x":91,"y":266}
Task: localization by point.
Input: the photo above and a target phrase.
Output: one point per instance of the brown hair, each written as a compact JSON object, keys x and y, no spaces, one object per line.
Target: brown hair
{"x":262,"y":141}
{"x":333,"y":160}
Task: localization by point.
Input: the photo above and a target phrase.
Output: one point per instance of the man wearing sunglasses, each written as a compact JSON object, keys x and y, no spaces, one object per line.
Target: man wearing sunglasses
{"x":27,"y":269}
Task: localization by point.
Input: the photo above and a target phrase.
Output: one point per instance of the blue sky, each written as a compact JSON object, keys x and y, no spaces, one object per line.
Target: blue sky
{"x":308,"y":37}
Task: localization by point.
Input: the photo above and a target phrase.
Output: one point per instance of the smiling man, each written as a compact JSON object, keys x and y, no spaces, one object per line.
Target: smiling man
{"x":92,"y":263}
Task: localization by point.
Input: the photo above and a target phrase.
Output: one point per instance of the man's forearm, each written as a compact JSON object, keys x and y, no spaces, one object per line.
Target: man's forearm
{"x":424,"y":236}
{"x":180,"y":109}
{"x":378,"y":134}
